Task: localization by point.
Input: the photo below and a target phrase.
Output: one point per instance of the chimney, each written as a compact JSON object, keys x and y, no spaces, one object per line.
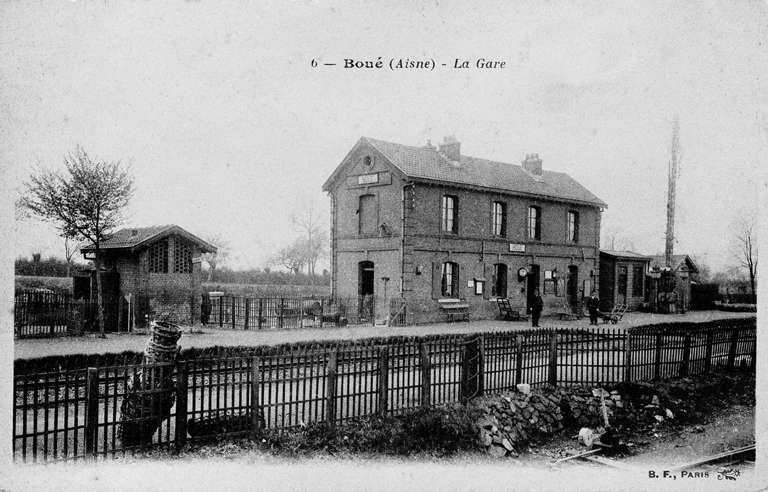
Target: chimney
{"x":532,"y":164}
{"x":451,"y":149}
{"x":429,"y":145}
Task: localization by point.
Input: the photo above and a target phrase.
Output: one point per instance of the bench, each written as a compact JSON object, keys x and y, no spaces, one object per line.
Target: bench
{"x":454,"y":308}
{"x":508,"y":313}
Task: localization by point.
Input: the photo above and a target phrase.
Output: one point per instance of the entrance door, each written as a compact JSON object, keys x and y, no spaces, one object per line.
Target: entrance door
{"x":532,"y":283}
{"x":572,"y":290}
{"x":365,"y":289}
{"x":622,"y":298}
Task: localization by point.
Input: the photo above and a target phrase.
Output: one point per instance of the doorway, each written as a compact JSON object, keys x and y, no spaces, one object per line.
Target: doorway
{"x":365,"y":289}
{"x":572,"y":289}
{"x":532,"y":283}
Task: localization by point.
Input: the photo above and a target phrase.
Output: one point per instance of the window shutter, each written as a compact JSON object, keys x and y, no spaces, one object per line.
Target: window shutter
{"x":456,"y":281}
{"x":436,"y":279}
{"x":488,"y":276}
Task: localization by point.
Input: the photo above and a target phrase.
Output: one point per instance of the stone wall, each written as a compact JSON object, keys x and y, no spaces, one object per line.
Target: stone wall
{"x":514,"y":419}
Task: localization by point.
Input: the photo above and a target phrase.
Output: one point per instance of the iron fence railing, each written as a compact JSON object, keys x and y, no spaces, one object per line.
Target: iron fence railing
{"x":79,"y":414}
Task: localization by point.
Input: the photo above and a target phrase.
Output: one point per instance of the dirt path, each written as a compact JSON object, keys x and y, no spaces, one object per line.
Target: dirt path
{"x":34,"y":348}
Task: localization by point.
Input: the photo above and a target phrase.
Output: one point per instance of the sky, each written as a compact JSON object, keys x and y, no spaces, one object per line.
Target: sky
{"x":229,"y":129}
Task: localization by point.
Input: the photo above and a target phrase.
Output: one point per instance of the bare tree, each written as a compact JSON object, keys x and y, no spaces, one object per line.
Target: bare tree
{"x":618,"y":242}
{"x":70,"y":249}
{"x":745,"y":243}
{"x":219,"y":257}
{"x":84,"y":204}
{"x":313,"y":244}
{"x":291,"y":257}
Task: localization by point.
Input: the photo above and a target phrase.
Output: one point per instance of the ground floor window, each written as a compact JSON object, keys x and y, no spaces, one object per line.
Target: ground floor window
{"x":499,"y":280}
{"x":449,"y":283}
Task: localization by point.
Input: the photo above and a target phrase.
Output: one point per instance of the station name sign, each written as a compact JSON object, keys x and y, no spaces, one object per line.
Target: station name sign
{"x":517,"y":248}
{"x":381,"y":178}
{"x":365,"y":179}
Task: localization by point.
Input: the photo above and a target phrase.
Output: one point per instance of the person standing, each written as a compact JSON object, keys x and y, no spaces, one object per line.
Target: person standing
{"x":592,"y":306}
{"x":537,"y":305}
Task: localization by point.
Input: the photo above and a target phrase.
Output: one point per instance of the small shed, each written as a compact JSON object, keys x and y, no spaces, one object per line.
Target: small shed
{"x":153,"y":272}
{"x":622,"y":278}
{"x":681,"y":268}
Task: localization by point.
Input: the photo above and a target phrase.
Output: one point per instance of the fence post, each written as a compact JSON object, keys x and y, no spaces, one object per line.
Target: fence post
{"x":519,"y":360}
{"x":628,"y":357}
{"x":657,"y":362}
{"x":234,"y":318}
{"x":708,"y":351}
{"x":426,"y":375}
{"x":753,"y":362}
{"x":261,"y":311}
{"x":92,"y":411}
{"x":383,"y":380}
{"x":553,"y":359}
{"x":686,"y":355}
{"x":181,"y":405}
{"x":480,"y":366}
{"x":732,"y":350}
{"x":330,"y":390}
{"x":247,"y":312}
{"x":221,"y":311}
{"x":255,"y":401}
{"x":280,"y":317}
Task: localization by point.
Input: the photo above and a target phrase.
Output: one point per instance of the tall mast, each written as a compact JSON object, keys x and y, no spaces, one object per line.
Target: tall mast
{"x":674,"y":171}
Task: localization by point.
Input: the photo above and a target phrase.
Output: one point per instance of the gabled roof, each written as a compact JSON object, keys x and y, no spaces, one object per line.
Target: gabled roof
{"x":138,"y":237}
{"x":428,"y":164}
{"x":624,"y":254}
{"x":675,"y":262}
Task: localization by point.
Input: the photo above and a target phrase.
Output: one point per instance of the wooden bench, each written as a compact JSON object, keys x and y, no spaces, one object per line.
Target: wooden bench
{"x":508,"y":313}
{"x":454,"y":308}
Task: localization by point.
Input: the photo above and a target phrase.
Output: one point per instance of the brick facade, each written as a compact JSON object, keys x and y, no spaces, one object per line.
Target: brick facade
{"x":408,"y":246}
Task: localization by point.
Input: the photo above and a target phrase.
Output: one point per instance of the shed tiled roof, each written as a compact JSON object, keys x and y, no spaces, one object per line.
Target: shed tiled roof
{"x":424,"y":163}
{"x":136,"y":237}
{"x":624,"y":254}
{"x":675,"y":262}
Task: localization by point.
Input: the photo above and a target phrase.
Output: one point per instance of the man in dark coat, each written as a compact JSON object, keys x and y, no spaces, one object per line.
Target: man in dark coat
{"x":592,"y":306}
{"x":537,"y":305}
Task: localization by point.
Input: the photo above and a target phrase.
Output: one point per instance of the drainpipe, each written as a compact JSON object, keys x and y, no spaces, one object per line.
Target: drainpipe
{"x":402,"y":237}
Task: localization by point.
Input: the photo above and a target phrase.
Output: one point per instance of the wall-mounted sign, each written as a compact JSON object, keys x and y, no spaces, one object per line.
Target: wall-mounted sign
{"x":518,"y":248}
{"x":368,"y":178}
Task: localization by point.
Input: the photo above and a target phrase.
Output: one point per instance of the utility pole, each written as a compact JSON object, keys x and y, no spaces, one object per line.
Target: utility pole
{"x":674,"y":171}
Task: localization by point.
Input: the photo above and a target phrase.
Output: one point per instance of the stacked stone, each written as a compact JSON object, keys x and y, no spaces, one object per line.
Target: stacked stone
{"x":512,"y":420}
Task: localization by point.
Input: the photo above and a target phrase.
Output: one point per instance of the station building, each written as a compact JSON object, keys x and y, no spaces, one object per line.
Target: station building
{"x":428,"y":223}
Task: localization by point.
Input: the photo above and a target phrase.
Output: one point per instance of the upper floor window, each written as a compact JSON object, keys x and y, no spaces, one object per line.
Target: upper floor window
{"x":158,"y":256}
{"x":499,"y":219}
{"x":182,"y":257}
{"x":367,"y":220}
{"x":450,"y":222}
{"x":534,"y":222}
{"x":449,"y":280}
{"x":573,"y":227}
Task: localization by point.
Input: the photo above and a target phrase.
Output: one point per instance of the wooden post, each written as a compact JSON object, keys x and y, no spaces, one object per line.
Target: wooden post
{"x":519,"y":360}
{"x":181,"y":405}
{"x":330,"y":390}
{"x":480,"y":366}
{"x":657,"y":362}
{"x":234,"y":318}
{"x":753,"y":362}
{"x":553,"y":359}
{"x":732,"y":350}
{"x":91,"y":411}
{"x":708,"y":351}
{"x":426,"y":376}
{"x":628,"y":358}
{"x":280,"y":317}
{"x":247,"y":312}
{"x":255,"y":400}
{"x":686,"y":355}
{"x":383,"y":381}
{"x":261,"y":311}
{"x":221,"y":311}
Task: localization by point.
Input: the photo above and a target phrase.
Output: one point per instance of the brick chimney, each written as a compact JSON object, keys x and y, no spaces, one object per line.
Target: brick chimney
{"x":532,"y":164}
{"x":451,"y":149}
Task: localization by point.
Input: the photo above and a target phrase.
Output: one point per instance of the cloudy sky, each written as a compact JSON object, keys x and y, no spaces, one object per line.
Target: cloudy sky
{"x":229,"y":128}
